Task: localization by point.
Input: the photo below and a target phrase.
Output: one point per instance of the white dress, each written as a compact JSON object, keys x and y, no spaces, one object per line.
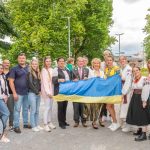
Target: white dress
{"x":126,"y":76}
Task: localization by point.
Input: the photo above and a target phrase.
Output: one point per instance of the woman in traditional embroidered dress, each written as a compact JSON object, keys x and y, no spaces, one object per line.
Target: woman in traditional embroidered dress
{"x":111,"y":70}
{"x":95,"y":108}
{"x":138,"y":113}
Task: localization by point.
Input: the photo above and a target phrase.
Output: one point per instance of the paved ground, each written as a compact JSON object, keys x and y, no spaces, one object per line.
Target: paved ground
{"x":73,"y":139}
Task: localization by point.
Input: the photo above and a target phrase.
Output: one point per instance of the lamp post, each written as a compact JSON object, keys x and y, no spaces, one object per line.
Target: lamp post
{"x":69,"y":51}
{"x":119,"y":34}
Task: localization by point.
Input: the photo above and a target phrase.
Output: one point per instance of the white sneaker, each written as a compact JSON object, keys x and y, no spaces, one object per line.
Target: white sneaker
{"x":35,"y":129}
{"x":115,"y":127}
{"x":111,"y":125}
{"x":46,"y":128}
{"x":126,"y":129}
{"x":4,"y":139}
{"x":40,"y":128}
{"x":51,"y":126}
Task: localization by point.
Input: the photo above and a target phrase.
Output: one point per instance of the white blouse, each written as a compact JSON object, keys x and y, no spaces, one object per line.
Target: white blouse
{"x":146,"y":89}
{"x":139,"y":84}
{"x":93,"y":73}
{"x":126,"y":75}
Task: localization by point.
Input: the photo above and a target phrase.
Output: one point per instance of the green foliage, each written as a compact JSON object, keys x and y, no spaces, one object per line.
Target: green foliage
{"x":6,"y":28}
{"x":144,"y":71}
{"x":42,"y":30}
{"x":147,"y":38}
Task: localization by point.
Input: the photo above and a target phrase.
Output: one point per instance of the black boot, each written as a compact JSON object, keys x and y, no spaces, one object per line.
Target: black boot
{"x":139,"y":132}
{"x":141,"y":137}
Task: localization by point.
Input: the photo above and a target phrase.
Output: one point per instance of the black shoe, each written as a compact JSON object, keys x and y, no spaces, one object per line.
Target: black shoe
{"x":141,"y":137}
{"x":27,"y":126}
{"x":67,"y":124}
{"x":17,"y":130}
{"x":139,"y":132}
{"x":63,"y":127}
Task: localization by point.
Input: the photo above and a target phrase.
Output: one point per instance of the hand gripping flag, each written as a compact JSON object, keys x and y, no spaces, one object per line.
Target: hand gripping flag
{"x":94,"y":90}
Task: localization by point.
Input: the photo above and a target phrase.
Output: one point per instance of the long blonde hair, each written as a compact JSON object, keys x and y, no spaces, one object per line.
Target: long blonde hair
{"x":45,"y":58}
{"x":37,"y":76}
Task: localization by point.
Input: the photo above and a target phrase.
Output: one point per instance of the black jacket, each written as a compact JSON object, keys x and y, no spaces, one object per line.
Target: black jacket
{"x":34,"y":84}
{"x":58,"y":75}
{"x":75,"y":73}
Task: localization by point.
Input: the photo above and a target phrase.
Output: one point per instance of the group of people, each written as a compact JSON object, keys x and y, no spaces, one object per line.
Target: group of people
{"x":24,"y":86}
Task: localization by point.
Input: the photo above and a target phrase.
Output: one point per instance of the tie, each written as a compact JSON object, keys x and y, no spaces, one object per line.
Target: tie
{"x":80,"y":73}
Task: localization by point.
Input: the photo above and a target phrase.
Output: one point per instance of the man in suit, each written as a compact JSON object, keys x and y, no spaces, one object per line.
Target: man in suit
{"x":79,"y":73}
{"x":60,"y":75}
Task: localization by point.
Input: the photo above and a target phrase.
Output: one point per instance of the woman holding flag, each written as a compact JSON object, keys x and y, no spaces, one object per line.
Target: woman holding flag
{"x":111,"y":70}
{"x":95,"y":107}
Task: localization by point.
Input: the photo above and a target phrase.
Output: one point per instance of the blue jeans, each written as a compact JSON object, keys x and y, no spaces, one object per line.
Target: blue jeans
{"x":34,"y":102}
{"x":4,"y":112}
{"x":22,"y":101}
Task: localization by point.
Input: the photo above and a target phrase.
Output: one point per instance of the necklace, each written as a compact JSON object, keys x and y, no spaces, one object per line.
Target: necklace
{"x":136,"y":80}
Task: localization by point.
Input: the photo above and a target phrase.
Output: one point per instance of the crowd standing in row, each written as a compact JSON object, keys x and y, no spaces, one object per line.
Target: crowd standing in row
{"x":24,"y":86}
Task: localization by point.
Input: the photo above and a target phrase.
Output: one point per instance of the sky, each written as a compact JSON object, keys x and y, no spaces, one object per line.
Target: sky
{"x":129,"y":18}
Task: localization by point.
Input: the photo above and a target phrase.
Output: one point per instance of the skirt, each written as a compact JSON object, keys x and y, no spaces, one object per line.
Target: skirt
{"x":137,"y":115}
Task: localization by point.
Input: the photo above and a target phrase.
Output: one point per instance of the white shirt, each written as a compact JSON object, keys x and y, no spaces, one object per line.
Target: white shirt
{"x":92,"y":73}
{"x":146,"y":89}
{"x":139,"y":84}
{"x":126,"y":76}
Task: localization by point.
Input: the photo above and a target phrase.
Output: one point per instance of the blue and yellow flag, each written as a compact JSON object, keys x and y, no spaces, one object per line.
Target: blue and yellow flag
{"x":94,"y":90}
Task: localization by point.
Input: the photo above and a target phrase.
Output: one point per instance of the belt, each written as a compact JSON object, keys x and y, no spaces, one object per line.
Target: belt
{"x":137,"y":91}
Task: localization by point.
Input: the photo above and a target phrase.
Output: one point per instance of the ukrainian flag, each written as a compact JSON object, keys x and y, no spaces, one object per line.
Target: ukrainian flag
{"x":94,"y":90}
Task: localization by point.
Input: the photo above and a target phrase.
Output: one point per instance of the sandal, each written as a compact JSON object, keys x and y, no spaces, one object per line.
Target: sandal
{"x":101,"y":124}
{"x":94,"y":126}
{"x":5,"y":139}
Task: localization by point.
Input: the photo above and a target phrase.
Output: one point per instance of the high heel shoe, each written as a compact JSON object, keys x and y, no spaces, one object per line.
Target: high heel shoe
{"x":101,"y":124}
{"x":94,"y":126}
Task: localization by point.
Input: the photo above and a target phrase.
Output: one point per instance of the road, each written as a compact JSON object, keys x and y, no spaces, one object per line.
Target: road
{"x":73,"y":138}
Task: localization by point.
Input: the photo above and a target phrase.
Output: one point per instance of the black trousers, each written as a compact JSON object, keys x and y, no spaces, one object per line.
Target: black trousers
{"x":10,"y":105}
{"x":62,"y":108}
{"x":78,"y":112}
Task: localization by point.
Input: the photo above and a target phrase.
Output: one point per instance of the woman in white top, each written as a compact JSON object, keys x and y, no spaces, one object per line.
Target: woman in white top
{"x":47,"y":93}
{"x":95,"y":108}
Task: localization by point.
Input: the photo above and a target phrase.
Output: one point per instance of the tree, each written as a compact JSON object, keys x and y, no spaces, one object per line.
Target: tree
{"x":147,"y":38}
{"x":6,"y":29}
{"x":41,"y":27}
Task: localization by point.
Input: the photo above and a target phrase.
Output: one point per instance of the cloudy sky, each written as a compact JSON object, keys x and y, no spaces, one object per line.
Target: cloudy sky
{"x":129,"y":18}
